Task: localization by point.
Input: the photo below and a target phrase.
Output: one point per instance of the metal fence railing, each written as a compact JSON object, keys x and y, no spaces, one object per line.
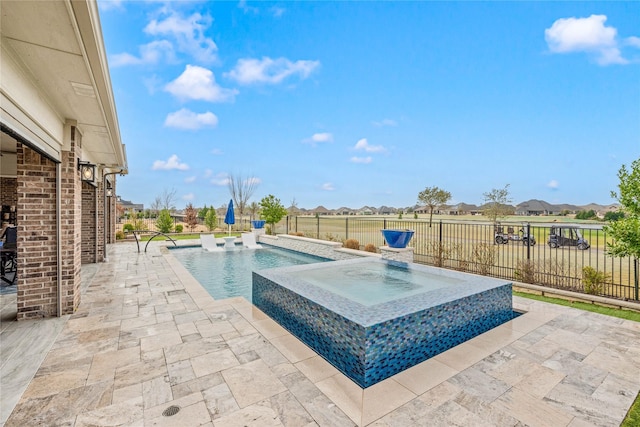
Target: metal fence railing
{"x":472,"y":247}
{"x":242,"y":224}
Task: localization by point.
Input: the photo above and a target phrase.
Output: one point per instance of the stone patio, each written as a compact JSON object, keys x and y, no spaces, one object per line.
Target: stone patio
{"x":147,"y":336}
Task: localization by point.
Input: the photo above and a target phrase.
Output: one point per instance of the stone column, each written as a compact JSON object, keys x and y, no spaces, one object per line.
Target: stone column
{"x":396,"y":254}
{"x":37,"y":241}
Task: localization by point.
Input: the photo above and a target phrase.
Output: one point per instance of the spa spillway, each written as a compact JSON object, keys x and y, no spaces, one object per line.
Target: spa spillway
{"x":373,"y":318}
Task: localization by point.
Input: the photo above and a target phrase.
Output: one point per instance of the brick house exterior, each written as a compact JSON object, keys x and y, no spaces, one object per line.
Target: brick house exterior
{"x":56,"y":112}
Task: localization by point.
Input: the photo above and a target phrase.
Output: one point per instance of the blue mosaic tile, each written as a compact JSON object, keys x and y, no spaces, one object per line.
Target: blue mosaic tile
{"x":371,"y":343}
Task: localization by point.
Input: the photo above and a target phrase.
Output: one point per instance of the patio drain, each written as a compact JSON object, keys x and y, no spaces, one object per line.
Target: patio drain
{"x":171,"y":411}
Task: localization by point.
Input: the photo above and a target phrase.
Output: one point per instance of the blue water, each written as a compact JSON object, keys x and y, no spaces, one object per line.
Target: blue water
{"x":228,"y":274}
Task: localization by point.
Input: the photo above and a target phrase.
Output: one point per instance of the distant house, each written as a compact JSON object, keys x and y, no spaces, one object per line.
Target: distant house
{"x":321,"y":210}
{"x":536,"y":208}
{"x":463,"y":209}
{"x":366,"y":210}
{"x":386,"y":210}
{"x":130,"y":206}
{"x":345,"y":211}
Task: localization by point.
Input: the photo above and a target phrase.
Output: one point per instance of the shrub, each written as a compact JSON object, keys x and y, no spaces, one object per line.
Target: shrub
{"x":484,"y":255}
{"x":525,"y":271}
{"x":164,"y":223}
{"x":179,"y":228}
{"x":127,"y":228}
{"x":370,"y":247}
{"x":120,"y":234}
{"x":351,"y":244}
{"x":593,"y":280}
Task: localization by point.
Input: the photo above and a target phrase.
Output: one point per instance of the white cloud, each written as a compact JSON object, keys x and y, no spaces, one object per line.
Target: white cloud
{"x":318,"y":137}
{"x":270,"y":71}
{"x":364,"y":145}
{"x":217,"y":152}
{"x":110,"y":4}
{"x":208,"y":173}
{"x":242,"y":4}
{"x":190,"y":179}
{"x":221,"y":180}
{"x":553,"y":184}
{"x":150,"y":53}
{"x":385,"y":122}
{"x":188,"y":33}
{"x":200,"y":84}
{"x":172,"y":163}
{"x":632,"y":41}
{"x":364,"y":160}
{"x":187,"y":119}
{"x":189,"y":196}
{"x":327,"y":186}
{"x":585,"y":35}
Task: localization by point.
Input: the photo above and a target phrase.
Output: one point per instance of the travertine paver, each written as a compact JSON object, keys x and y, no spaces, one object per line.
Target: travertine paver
{"x":147,"y":336}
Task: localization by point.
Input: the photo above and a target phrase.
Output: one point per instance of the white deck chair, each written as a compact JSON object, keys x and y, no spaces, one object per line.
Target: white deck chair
{"x":249,"y":241}
{"x":208,"y":242}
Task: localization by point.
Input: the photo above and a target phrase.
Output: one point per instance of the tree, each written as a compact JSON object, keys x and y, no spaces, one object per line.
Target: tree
{"x":498,"y":203}
{"x":613,"y":216}
{"x":164,"y":201}
{"x":241,"y":191}
{"x":590,"y":214}
{"x":625,"y":232}
{"x":211,"y":221}
{"x":272,"y":210}
{"x":433,"y":197}
{"x":254,"y":209}
{"x":202,"y":213}
{"x":164,"y":223}
{"x":190,"y":217}
{"x":293,"y":209}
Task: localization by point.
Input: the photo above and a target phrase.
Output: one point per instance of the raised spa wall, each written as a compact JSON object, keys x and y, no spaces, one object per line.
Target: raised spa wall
{"x":332,"y":250}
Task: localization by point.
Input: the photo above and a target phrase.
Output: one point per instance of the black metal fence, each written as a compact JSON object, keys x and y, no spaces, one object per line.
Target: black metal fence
{"x":523,"y":252}
{"x":242,"y":224}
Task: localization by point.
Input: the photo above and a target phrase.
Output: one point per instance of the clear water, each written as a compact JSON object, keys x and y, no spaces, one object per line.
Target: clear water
{"x":228,"y":274}
{"x":373,"y":283}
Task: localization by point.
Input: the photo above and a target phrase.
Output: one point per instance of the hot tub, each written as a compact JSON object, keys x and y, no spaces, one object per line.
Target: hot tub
{"x":373,"y":318}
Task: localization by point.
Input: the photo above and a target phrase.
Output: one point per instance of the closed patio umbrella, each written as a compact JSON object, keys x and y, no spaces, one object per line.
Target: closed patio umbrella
{"x":229,"y":217}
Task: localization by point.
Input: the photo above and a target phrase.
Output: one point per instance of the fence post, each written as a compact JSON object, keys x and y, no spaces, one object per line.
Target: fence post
{"x":346,"y":228}
{"x":440,"y":233}
{"x":528,"y":241}
{"x":318,"y":227}
{"x":635,"y":274}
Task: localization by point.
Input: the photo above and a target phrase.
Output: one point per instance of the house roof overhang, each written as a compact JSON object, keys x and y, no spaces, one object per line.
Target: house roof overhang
{"x":55,"y":73}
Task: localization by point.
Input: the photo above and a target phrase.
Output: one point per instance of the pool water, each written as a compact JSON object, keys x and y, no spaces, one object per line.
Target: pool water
{"x":374,"y":283}
{"x":228,"y":273}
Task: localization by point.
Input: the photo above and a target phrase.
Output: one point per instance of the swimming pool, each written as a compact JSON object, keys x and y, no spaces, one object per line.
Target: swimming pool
{"x":227,"y":274}
{"x":373,"y":318}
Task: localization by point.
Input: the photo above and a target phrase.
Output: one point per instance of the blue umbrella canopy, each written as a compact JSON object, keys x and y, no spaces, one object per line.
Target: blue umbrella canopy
{"x":229,"y":217}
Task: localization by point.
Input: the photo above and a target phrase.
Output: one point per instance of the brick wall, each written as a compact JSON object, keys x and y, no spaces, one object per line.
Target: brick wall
{"x":36,"y":206}
{"x":8,"y":191}
{"x":89,"y":224}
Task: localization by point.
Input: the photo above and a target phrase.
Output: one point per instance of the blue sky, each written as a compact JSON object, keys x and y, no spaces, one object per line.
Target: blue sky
{"x":367,"y":103}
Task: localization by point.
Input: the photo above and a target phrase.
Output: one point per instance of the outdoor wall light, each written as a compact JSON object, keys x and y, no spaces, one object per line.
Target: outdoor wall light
{"x":109,"y":192}
{"x":87,"y":171}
